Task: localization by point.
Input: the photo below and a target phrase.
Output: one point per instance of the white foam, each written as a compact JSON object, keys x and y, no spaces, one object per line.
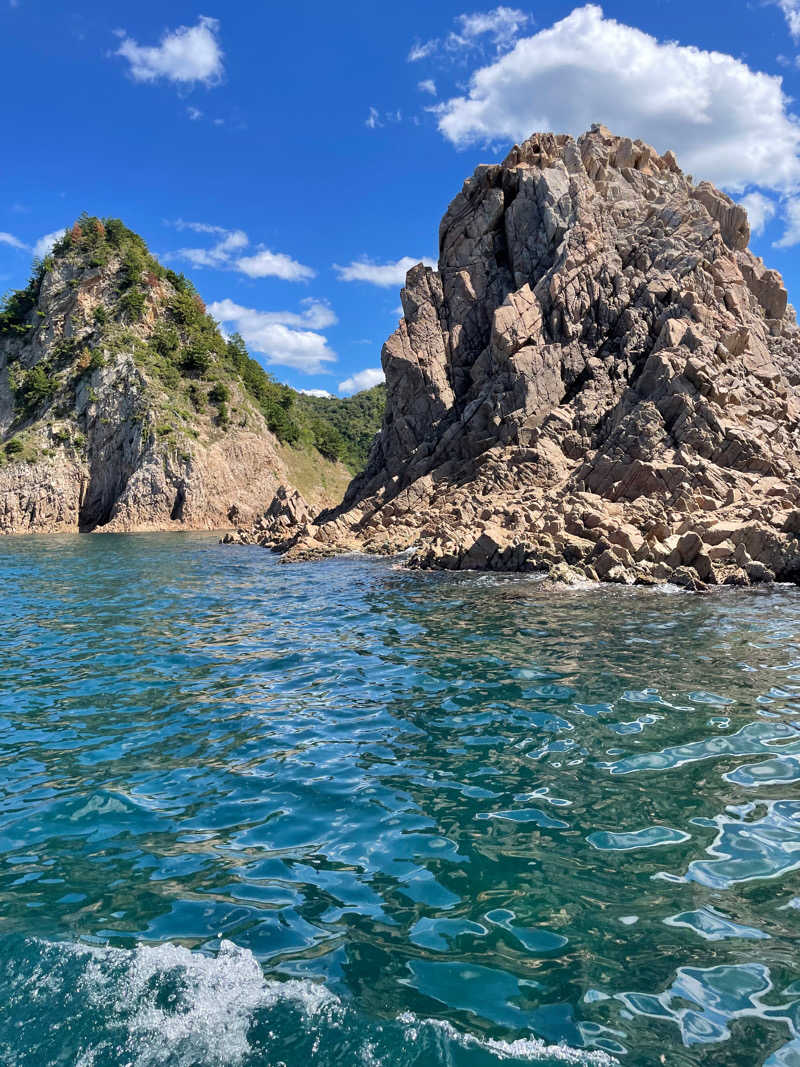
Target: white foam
{"x":524,"y":1048}
{"x":208,"y":1017}
{"x":166,"y":1006}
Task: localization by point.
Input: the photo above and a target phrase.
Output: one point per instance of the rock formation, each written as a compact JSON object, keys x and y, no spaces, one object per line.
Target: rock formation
{"x":600,"y":380}
{"x":122,"y":407}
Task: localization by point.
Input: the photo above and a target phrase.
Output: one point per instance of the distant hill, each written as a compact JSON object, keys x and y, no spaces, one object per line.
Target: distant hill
{"x":344,"y":428}
{"x":122,"y":406}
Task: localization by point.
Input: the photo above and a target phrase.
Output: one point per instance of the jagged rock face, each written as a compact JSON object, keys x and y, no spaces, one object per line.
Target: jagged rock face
{"x":111,"y":446}
{"x":598,"y":368}
{"x":287,"y":511}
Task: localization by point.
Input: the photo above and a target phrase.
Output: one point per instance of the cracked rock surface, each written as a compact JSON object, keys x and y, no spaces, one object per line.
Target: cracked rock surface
{"x":600,"y":380}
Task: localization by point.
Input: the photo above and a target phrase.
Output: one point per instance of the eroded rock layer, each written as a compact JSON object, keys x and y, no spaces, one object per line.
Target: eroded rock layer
{"x":600,"y":380}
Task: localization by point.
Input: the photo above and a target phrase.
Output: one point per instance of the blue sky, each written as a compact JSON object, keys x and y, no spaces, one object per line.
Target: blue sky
{"x":292,"y":159}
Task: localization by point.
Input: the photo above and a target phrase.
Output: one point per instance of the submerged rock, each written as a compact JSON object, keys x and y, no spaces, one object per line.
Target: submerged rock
{"x":599,"y":376}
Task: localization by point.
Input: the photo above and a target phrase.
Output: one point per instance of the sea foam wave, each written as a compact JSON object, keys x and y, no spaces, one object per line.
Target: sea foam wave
{"x":167,"y":1006}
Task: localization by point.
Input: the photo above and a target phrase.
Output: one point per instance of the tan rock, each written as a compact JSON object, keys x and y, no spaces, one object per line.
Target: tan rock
{"x":601,"y":367}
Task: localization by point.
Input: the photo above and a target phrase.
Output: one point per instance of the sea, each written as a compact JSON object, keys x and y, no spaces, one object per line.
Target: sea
{"x":344,"y":813}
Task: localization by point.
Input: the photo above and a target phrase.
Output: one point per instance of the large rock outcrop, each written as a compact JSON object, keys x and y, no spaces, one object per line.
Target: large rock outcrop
{"x":600,"y":380}
{"x":121,"y":405}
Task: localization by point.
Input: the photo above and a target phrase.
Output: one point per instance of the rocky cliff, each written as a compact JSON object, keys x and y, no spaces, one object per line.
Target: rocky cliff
{"x":121,"y":405}
{"x":600,"y":380}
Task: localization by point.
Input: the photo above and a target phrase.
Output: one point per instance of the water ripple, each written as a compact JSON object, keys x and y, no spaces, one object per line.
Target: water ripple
{"x":255,"y":813}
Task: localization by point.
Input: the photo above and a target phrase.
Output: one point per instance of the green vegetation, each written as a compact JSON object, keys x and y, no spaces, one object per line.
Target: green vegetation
{"x":341,"y":429}
{"x":14,"y":447}
{"x":34,"y":387}
{"x":131,"y":303}
{"x":185,"y":351}
{"x":345,"y":427}
{"x":16,"y":306}
{"x":219,"y":393}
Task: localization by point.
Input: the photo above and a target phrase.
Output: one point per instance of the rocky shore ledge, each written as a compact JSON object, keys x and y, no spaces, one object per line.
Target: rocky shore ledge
{"x":600,"y":381}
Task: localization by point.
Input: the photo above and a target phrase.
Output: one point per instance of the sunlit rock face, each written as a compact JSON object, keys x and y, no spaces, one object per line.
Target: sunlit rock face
{"x":599,"y":379}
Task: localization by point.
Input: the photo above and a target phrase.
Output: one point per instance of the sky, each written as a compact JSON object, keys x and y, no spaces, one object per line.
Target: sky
{"x":295,"y":159}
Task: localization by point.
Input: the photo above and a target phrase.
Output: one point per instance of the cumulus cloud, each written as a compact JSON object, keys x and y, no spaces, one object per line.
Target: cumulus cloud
{"x":386,"y":275}
{"x":760,"y":209}
{"x":791,"y":214}
{"x":188,"y":56}
{"x":10,"y":239}
{"x":316,"y":392}
{"x":44,"y":246}
{"x":317,"y":314}
{"x":725,"y":122}
{"x":286,"y":338}
{"x":266,"y":264}
{"x":427,"y":86}
{"x":363,"y":379}
{"x":262,"y":263}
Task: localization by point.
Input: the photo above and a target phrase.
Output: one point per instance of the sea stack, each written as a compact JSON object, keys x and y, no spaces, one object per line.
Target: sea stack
{"x":600,"y":380}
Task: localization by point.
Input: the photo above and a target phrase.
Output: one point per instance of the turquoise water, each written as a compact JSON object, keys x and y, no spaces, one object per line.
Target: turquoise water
{"x":342,"y":814}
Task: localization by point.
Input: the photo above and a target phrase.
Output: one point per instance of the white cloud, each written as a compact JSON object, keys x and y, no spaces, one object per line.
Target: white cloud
{"x":266,"y":264}
{"x":725,"y":121}
{"x":385,"y":275}
{"x":219,"y":255}
{"x":44,"y":246}
{"x":316,"y":392}
{"x":261,"y":264}
{"x":317,"y":314}
{"x":376,"y":120}
{"x":194,"y":113}
{"x":422,"y":50}
{"x":187,"y":55}
{"x":197,"y":227}
{"x":10,"y":239}
{"x":363,"y":379}
{"x":427,"y":86}
{"x":760,"y":209}
{"x":791,"y":213}
{"x":274,"y":334}
{"x":502,"y":25}
{"x":791,"y":12}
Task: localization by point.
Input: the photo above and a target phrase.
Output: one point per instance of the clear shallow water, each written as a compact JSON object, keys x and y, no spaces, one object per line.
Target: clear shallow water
{"x":256,"y":814}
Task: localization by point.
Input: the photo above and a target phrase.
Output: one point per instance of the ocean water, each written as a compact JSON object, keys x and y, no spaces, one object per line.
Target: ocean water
{"x":254,"y":814}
